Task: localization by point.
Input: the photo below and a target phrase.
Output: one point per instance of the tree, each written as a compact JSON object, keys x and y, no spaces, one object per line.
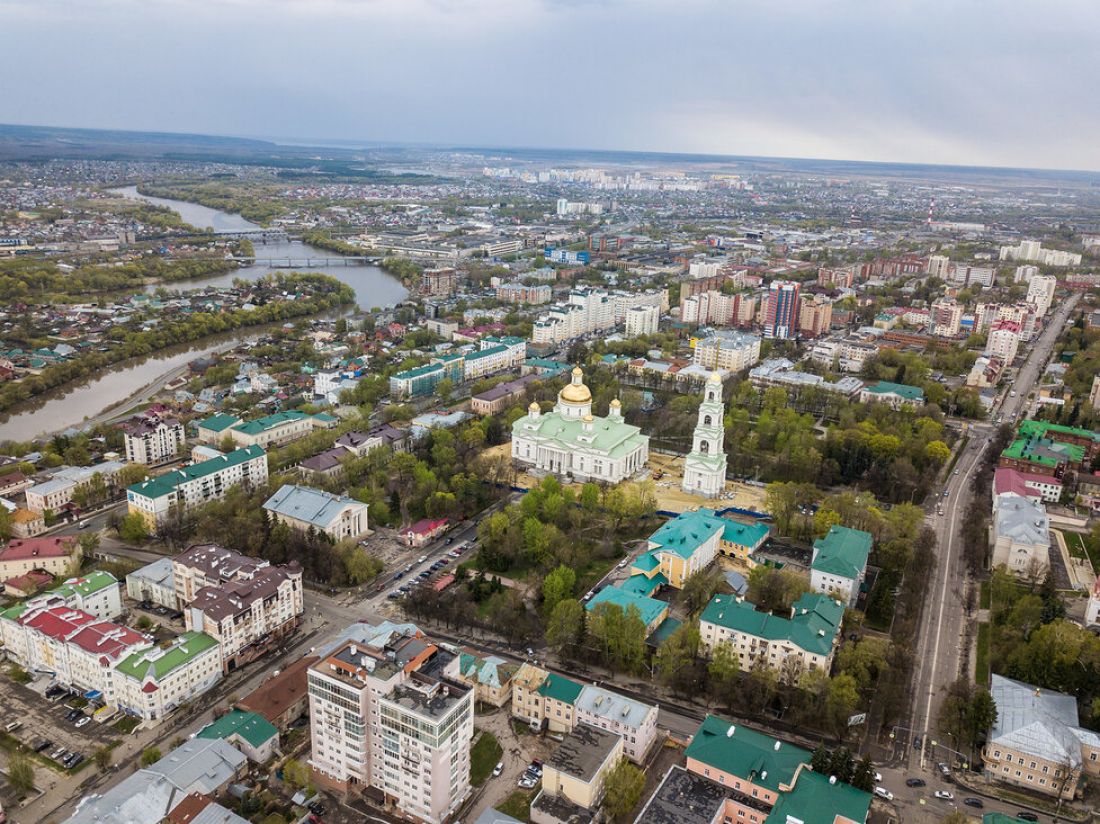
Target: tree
{"x":723,"y":671}
{"x":444,"y":389}
{"x":20,"y":773}
{"x":360,"y":565}
{"x":698,"y":589}
{"x":133,"y":529}
{"x":565,"y":625}
{"x":623,"y":789}
{"x":820,"y":761}
{"x":103,"y":757}
{"x":557,"y":586}
{"x":840,"y":701}
{"x":149,"y":756}
{"x":864,"y":776}
{"x":297,"y":776}
{"x":775,"y":590}
{"x":675,"y":657}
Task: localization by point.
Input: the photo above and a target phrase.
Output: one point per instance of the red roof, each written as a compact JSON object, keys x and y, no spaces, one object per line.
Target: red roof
{"x":150,"y":687}
{"x":108,"y":638}
{"x":57,"y":622}
{"x":426,"y":525}
{"x":31,"y":582}
{"x":22,"y":549}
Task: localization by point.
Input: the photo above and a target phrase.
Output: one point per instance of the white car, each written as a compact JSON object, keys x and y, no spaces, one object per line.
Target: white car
{"x":498,"y":769}
{"x":882,"y":792}
{"x":945,"y":795}
{"x":878,"y":778}
{"x":83,"y":721}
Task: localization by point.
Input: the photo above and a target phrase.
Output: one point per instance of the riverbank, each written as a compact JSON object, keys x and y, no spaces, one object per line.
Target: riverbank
{"x":315,"y":294}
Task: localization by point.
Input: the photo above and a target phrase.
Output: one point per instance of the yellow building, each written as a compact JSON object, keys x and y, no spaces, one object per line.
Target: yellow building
{"x":579,"y":766}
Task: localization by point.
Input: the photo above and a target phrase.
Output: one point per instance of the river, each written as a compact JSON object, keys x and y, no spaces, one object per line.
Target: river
{"x":373,"y":287}
{"x":90,"y":398}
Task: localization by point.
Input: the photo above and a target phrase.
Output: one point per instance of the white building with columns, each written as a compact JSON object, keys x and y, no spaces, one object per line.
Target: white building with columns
{"x":570,"y":442}
{"x":705,"y":467}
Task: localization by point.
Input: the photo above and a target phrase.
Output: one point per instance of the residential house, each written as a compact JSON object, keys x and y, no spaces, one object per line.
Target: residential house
{"x":282,"y":699}
{"x":896,"y":395}
{"x":249,"y":732}
{"x":575,"y":774}
{"x":57,"y":555}
{"x":304,"y":509}
{"x":840,"y":562}
{"x":489,"y":676}
{"x":154,"y":583}
{"x":151,"y":683}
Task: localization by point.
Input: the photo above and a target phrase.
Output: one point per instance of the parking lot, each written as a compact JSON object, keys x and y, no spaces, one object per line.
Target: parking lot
{"x":44,"y":727}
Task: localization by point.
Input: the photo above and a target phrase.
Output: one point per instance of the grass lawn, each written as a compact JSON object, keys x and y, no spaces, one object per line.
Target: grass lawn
{"x":484,"y":755}
{"x":982,"y":658}
{"x":1075,"y":544}
{"x":985,"y":595}
{"x":518,"y":805}
{"x":592,"y":573}
{"x":126,"y":725}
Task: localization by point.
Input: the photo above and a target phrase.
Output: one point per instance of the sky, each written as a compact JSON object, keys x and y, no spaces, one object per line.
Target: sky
{"x":975,"y":82}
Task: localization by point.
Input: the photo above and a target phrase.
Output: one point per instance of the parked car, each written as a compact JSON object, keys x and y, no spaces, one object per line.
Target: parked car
{"x":945,"y":795}
{"x":882,"y":792}
{"x":977,"y":803}
{"x":83,"y":721}
{"x":316,"y":807}
{"x":498,"y":769}
{"x":1026,"y":815}
{"x":878,"y":777}
{"x":914,"y":782}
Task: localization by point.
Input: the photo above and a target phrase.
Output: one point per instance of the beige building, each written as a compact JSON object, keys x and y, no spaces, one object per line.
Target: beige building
{"x":59,"y":556}
{"x":578,"y":769}
{"x":1036,"y":742}
{"x":304,"y":508}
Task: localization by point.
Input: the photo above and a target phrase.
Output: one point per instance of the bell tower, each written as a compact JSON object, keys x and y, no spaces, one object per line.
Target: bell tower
{"x":705,"y":467}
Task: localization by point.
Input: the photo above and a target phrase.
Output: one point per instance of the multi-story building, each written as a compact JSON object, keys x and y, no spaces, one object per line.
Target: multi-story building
{"x":735,"y":774}
{"x":495,"y":399}
{"x":963,"y":274}
{"x":156,"y":498}
{"x":248,"y":617}
{"x":575,"y":774}
{"x":847,"y":355}
{"x":781,"y":312}
{"x":946,"y":318}
{"x":1032,"y":251}
{"x":804,"y":642}
{"x":836,"y":278}
{"x":1025,"y":273}
{"x":56,"y":493}
{"x":422,"y":381}
{"x":1036,"y":742}
{"x":151,"y":441}
{"x":781,"y":372}
{"x":586,"y":310}
{"x":623,"y":302}
{"x":304,"y":508}
{"x":1040,"y":292}
{"x":150,"y":683}
{"x":533,"y":294}
{"x":731,"y":351}
{"x":153,"y":583}
{"x":495,"y":355}
{"x":568,"y":208}
{"x":98,"y":594}
{"x":642,"y":320}
{"x":839,"y":563}
{"x":277,"y":429}
{"x":489,"y":676}
{"x":1094,"y":393}
{"x":438,"y":282}
{"x":938,"y":266}
{"x":210,"y":565}
{"x":385,"y":718}
{"x":1021,"y":536}
{"x":815,"y":316}
{"x":1003,"y":341}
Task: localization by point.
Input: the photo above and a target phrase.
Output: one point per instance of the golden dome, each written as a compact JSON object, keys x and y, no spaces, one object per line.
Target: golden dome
{"x":615,"y":404}
{"x":588,"y":419}
{"x":715,"y":377}
{"x":576,"y":393}
{"x":577,"y":371}
{"x":534,"y":407}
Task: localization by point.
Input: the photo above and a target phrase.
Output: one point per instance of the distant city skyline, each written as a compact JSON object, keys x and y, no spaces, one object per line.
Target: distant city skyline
{"x":937,"y":82}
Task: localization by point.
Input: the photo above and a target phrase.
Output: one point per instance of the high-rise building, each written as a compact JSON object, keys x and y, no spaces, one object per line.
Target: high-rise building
{"x":732,"y":351}
{"x":815,"y":316}
{"x":705,"y":466}
{"x":946,"y":317}
{"x":1003,"y":340}
{"x":1040,"y":292}
{"x":642,"y":320}
{"x":150,"y":440}
{"x":781,"y":312}
{"x":1032,"y":251}
{"x":385,"y":717}
{"x":1025,"y":273}
{"x":937,"y":266}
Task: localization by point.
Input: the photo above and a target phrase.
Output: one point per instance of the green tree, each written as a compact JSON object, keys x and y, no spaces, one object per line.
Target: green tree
{"x":863,"y":778}
{"x":565,"y":626}
{"x":557,"y":586}
{"x":775,"y":590}
{"x":20,"y":773}
{"x":675,"y":657}
{"x":103,"y":756}
{"x":841,"y":701}
{"x":444,"y":389}
{"x":723,"y":672}
{"x":149,"y":756}
{"x":623,"y":789}
{"x":133,"y":529}
{"x":360,"y":566}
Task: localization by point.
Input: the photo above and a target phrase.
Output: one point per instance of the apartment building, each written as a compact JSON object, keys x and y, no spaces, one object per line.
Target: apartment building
{"x":193,"y":485}
{"x":1032,"y":251}
{"x":210,"y":565}
{"x":533,"y":294}
{"x":839,"y":563}
{"x":642,"y":320}
{"x":277,"y":429}
{"x":1003,"y":341}
{"x":946,"y":318}
{"x":732,"y":351}
{"x":153,"y":583}
{"x":848,"y":354}
{"x":574,"y":776}
{"x":422,"y":381}
{"x":152,"y":441}
{"x":1040,"y":292}
{"x":815,"y":316}
{"x":438,"y":282}
{"x":623,"y":302}
{"x":964,"y":274}
{"x":586,"y":310}
{"x":304,"y":508}
{"x":1021,"y":536}
{"x":56,"y":493}
{"x":736,"y":774}
{"x":805,"y":641}
{"x":781,"y":372}
{"x":57,"y":555}
{"x":1036,"y":741}
{"x":495,"y":355}
{"x":895,"y":395}
{"x":937,"y":266}
{"x":547,"y":700}
{"x":151,"y":683}
{"x":385,"y":718}
{"x":781,"y":311}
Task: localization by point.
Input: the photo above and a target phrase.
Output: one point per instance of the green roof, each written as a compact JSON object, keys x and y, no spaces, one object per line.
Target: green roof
{"x":813,"y":625}
{"x":164,"y":484}
{"x":419,"y":371}
{"x":1045,"y":429}
{"x":1044,"y":451}
{"x":270,"y":422}
{"x":560,"y":688}
{"x":1000,"y":818}
{"x":484,"y":353}
{"x":685,"y":533}
{"x":747,"y":535}
{"x":216,"y":423}
{"x":813,"y":800}
{"x":252,"y":727}
{"x":843,"y":552}
{"x":650,"y":609}
{"x":910,"y":393}
{"x":157,"y":663}
{"x":663,"y":631}
{"x":12,"y":613}
{"x":86,"y":584}
{"x":746,"y":753}
{"x":641,"y":585}
{"x":613,"y":437}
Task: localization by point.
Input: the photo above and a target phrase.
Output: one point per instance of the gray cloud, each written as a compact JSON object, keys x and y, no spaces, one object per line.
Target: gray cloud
{"x":952,"y":81}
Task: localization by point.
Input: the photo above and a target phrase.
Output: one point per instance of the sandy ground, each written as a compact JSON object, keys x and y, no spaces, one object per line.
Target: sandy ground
{"x":666,"y":472}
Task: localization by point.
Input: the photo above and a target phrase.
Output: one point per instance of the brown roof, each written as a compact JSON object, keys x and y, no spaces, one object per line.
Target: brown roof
{"x":276,"y":695}
{"x":237,"y":597}
{"x":190,"y":807}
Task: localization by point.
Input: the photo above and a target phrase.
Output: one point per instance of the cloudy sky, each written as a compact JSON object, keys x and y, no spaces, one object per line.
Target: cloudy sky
{"x":988,"y":82}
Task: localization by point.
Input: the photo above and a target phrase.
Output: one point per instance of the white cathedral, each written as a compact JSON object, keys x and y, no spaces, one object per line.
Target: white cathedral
{"x":705,"y":467}
{"x":570,"y":442}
